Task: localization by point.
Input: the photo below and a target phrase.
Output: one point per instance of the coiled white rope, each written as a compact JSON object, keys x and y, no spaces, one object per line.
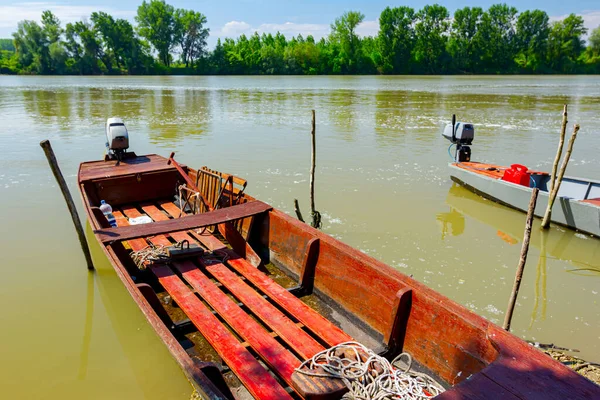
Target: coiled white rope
{"x":369,"y":376}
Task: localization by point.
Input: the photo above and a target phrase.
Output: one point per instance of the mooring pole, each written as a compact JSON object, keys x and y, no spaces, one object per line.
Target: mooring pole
{"x":68,"y":199}
{"x":559,"y":178}
{"x":316,"y":216}
{"x":522,"y":260}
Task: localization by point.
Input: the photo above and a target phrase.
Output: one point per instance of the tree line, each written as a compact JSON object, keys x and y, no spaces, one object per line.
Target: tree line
{"x":168,"y":40}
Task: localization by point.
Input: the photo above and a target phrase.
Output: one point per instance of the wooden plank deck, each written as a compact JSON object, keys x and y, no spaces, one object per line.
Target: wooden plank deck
{"x":252,"y":375}
{"x":319,"y":325}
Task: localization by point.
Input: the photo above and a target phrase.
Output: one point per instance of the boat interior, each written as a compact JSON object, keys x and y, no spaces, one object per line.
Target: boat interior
{"x":249,"y":293}
{"x":572,"y":188}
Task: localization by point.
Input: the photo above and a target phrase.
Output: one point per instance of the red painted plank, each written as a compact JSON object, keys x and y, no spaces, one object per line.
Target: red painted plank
{"x":274,"y":354}
{"x":298,"y":339}
{"x":256,"y":379}
{"x":222,"y":215}
{"x":135,"y":244}
{"x":532,"y":374}
{"x":320,"y":325}
{"x":159,"y":240}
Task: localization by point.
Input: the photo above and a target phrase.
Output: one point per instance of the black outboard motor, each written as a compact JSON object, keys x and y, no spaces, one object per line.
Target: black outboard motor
{"x":461,"y":134}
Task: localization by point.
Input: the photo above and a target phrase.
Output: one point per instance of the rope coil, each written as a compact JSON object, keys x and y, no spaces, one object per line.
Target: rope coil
{"x":369,"y":376}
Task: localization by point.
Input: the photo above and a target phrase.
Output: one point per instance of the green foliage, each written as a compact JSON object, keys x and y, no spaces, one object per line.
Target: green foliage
{"x":396,"y":39}
{"x":474,"y":40}
{"x":431,"y":31}
{"x":465,"y":44}
{"x":191,"y":35}
{"x":343,"y":36}
{"x":532,"y":40}
{"x":7,"y":44}
{"x":565,"y":44}
{"x":156,"y":23}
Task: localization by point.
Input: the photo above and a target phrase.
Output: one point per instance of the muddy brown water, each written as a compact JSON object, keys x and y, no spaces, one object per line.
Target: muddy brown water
{"x":382,"y":186}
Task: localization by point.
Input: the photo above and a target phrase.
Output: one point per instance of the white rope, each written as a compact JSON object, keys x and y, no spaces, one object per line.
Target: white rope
{"x":369,"y":376}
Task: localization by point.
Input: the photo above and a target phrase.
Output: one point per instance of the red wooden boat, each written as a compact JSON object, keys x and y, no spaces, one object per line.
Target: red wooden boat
{"x":261,"y":292}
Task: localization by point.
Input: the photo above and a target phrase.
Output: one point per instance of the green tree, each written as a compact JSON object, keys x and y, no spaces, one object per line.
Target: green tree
{"x":431,"y":37}
{"x":191,"y":35}
{"x":565,"y":43}
{"x":156,"y":23}
{"x":7,"y":44}
{"x":498,"y":33}
{"x":343,"y":34}
{"x":465,"y":44}
{"x":84,"y":48}
{"x":51,"y":27}
{"x":532,"y":39}
{"x":31,"y":46}
{"x":396,"y":39}
{"x":594,"y":41}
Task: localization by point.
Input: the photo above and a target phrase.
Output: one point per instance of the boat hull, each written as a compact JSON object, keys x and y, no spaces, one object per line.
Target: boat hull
{"x":575,"y":214}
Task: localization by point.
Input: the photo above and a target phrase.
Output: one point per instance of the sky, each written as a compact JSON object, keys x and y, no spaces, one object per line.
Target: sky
{"x":229,"y":18}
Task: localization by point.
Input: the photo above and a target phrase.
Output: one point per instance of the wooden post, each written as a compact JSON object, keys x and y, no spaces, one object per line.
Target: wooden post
{"x":316,"y":217}
{"x":297,"y":209}
{"x":47,"y":147}
{"x":561,"y":174}
{"x":522,"y":260}
{"x":561,"y":143}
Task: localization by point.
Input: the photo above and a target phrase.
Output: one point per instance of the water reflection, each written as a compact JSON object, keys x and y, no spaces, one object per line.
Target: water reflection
{"x":540,"y":283}
{"x":87,"y":328}
{"x":580,"y":250}
{"x":452,"y":221}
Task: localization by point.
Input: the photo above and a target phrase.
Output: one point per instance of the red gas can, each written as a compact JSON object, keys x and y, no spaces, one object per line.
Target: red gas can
{"x":518,"y":174}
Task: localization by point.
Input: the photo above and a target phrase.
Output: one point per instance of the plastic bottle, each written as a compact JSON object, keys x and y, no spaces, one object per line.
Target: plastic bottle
{"x":107,"y":211}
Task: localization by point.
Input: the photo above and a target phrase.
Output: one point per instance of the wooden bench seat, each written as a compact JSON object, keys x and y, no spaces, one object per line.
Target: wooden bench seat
{"x":282,"y":359}
{"x":253,"y":376}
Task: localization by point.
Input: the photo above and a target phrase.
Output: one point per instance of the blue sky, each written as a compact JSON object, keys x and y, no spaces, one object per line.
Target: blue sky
{"x":231,"y":18}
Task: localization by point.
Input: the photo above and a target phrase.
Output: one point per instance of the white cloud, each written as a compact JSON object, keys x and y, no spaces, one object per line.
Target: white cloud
{"x":11,"y":14}
{"x":368,"y":28}
{"x":289,"y":29}
{"x":235,"y":28}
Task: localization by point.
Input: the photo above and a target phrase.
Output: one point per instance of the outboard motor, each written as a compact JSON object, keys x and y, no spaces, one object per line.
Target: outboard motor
{"x":117,"y":138}
{"x":461,"y":134}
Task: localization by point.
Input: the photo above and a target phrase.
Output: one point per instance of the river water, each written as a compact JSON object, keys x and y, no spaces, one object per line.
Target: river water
{"x":382,"y":185}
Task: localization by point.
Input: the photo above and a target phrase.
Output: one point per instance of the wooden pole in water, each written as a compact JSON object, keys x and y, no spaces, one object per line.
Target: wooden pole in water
{"x":47,"y":147}
{"x":561,"y":174}
{"x":316,"y":216}
{"x":561,"y":142}
{"x":522,"y":260}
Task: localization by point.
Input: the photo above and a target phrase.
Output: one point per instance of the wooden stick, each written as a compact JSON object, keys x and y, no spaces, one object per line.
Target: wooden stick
{"x":47,"y":147}
{"x":561,"y":174}
{"x":297,"y":209}
{"x":563,"y":130}
{"x":316,"y":216}
{"x":522,"y":260}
